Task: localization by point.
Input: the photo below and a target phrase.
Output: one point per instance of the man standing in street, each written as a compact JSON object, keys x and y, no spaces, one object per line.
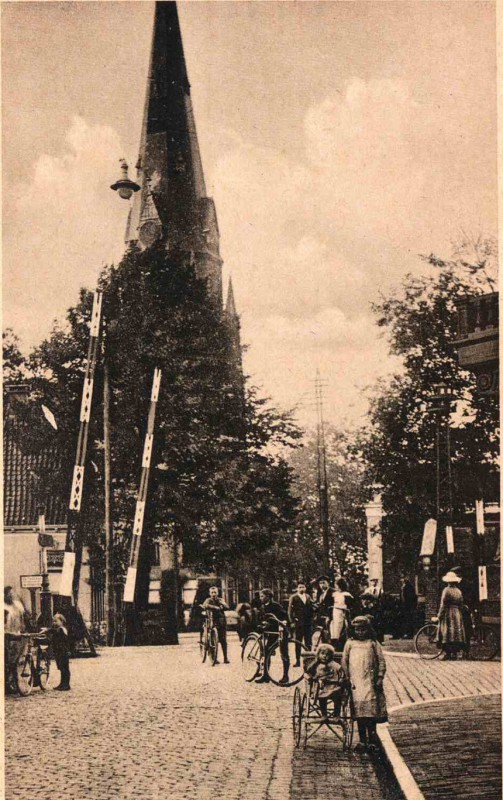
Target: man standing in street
{"x":215,"y":604}
{"x":300,"y":616}
{"x":408,"y":602}
{"x":270,"y":607}
{"x":325,"y":598}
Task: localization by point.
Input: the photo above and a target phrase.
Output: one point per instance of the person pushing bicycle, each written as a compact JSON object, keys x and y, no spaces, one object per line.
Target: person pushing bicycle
{"x":217,"y":606}
{"x":270,"y":615}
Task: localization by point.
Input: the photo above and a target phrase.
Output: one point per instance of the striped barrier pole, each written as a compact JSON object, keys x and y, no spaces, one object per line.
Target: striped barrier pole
{"x":129,"y":589}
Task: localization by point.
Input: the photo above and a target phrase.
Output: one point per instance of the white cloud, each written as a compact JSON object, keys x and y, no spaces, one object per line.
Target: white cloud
{"x":71,"y":224}
{"x":311,"y":243}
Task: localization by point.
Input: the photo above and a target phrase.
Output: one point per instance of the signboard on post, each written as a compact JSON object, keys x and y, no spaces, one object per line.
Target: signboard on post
{"x":449,"y":536}
{"x":483,"y":583}
{"x":429,"y":537}
{"x":31,"y":581}
{"x":55,"y":560}
{"x":479,"y":517}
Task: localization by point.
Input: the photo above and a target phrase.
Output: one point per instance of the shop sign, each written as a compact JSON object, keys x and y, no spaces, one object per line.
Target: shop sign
{"x":429,"y":536}
{"x":483,"y":583}
{"x":55,"y":560}
{"x":31,"y":581}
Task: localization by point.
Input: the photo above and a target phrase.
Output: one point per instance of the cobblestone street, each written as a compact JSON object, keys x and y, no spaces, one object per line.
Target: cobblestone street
{"x":154,"y":722}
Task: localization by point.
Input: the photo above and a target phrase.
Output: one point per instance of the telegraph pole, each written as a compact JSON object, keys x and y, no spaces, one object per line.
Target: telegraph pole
{"x":109,"y":582}
{"x":322,"y":474}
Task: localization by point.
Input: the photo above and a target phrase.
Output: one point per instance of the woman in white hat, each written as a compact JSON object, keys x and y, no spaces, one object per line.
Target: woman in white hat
{"x":451,"y":630}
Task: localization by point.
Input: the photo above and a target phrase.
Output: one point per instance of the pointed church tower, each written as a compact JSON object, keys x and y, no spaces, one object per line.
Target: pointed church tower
{"x":233,"y":325}
{"x":172,"y":203}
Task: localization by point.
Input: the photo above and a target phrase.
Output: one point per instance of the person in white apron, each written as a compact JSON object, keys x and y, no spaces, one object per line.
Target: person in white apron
{"x":339,"y":623}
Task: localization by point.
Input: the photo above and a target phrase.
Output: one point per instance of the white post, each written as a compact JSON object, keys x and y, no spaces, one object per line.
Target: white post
{"x":374,"y":513}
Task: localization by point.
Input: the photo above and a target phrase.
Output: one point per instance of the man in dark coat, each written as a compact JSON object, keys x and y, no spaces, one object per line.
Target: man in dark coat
{"x":300,"y":616}
{"x":270,"y":606}
{"x":217,"y":606}
{"x":408,"y":602}
{"x":325,"y":596}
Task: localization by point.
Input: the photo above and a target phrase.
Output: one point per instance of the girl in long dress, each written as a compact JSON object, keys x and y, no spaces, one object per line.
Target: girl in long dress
{"x":339,"y":622}
{"x":451,"y":629}
{"x":363,"y":663}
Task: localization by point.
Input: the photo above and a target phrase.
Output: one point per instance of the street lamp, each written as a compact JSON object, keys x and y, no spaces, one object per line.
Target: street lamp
{"x":125,"y":187}
{"x":44,"y":541}
{"x":441,"y":400}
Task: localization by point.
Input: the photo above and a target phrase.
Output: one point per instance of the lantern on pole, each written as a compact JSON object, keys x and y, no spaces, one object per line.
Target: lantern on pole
{"x":124,"y":186}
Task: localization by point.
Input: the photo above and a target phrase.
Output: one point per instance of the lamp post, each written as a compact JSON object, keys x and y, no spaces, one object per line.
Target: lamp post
{"x":125,"y":188}
{"x":441,"y":400}
{"x":44,"y":541}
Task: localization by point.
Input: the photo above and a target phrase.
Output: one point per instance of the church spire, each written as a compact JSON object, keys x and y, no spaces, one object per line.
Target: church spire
{"x":230,"y":305}
{"x":172,"y":203}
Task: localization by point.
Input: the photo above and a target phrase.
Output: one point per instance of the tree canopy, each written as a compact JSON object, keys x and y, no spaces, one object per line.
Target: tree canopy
{"x":346,"y":499}
{"x":217,"y":485}
{"x":397,"y":445}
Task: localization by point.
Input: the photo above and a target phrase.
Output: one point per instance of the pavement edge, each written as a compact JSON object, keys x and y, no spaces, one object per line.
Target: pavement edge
{"x":402,"y":773}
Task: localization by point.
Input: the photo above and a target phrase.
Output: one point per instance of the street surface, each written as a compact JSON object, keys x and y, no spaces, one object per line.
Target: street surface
{"x":462,"y":738}
{"x":154,"y":722}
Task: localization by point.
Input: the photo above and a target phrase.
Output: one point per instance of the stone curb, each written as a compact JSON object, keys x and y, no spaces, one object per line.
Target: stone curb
{"x":402,"y":773}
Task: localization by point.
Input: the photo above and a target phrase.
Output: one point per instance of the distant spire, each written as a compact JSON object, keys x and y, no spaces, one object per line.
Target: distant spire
{"x":230,"y":305}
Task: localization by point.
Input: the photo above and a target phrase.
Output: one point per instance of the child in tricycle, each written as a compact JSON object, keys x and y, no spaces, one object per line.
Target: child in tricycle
{"x":329,"y":676}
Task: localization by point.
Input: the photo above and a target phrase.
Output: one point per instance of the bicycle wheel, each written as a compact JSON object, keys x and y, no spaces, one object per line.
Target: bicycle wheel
{"x":303,"y":723}
{"x":285,"y":673}
{"x":203,"y":645}
{"x":252,"y":657}
{"x":24,"y":674}
{"x":213,"y":646}
{"x":296,"y":716}
{"x":43,"y":669}
{"x":483,"y":644}
{"x":425,"y":642}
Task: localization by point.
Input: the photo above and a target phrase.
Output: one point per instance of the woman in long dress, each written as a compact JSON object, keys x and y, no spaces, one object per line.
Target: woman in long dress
{"x":339,"y":623}
{"x":451,"y":629}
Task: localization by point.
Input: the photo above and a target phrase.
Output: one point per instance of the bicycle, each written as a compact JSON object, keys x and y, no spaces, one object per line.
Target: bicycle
{"x":32,"y":667}
{"x":321,"y":633}
{"x":208,"y":643}
{"x":483,"y":644}
{"x":264,"y":652}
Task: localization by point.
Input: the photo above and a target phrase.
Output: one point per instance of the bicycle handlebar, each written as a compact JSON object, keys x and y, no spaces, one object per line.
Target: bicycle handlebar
{"x":273,"y":617}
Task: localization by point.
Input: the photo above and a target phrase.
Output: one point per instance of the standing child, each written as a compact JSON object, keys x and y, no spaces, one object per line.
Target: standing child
{"x":363,"y":663}
{"x":60,"y":646}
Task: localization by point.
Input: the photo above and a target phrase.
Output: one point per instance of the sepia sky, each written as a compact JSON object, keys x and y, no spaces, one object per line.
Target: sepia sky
{"x":339,"y":141}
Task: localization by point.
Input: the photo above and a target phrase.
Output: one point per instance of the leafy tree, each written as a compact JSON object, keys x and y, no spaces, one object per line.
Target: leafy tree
{"x":14,"y":363}
{"x":397,"y":446}
{"x":216,"y":486}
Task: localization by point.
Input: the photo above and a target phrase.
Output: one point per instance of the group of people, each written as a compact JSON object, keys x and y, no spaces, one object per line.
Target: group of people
{"x":318,"y":603}
{"x":16,"y":621}
{"x":362,"y":661}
